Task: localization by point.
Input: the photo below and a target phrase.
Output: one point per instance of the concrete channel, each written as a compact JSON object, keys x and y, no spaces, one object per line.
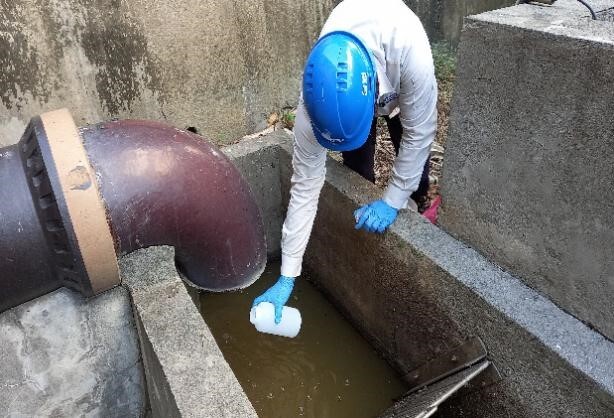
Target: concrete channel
{"x":415,"y":294}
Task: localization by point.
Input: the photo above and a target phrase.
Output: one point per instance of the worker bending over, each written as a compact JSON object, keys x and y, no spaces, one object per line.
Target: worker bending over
{"x":372,"y":59}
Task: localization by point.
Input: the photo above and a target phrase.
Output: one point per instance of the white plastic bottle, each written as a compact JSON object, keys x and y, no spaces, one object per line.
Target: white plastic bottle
{"x":263,"y":318}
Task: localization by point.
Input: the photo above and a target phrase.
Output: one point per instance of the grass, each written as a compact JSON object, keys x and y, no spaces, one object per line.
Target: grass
{"x":287,"y":118}
{"x":444,"y":58}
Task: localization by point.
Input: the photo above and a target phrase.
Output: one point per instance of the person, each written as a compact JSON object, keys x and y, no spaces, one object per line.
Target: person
{"x":373,"y":58}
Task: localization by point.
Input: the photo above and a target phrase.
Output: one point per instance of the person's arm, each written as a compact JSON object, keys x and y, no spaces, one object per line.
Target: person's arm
{"x":309,"y":171}
{"x":418,"y":105}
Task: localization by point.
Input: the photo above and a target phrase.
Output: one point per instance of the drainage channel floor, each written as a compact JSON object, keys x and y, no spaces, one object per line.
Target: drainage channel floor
{"x":328,"y":370}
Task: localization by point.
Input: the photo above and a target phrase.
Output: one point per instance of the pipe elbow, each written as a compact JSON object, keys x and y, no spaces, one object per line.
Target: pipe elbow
{"x":165,"y":186}
{"x":78,"y":198}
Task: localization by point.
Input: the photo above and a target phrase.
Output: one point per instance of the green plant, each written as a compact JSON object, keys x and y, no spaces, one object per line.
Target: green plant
{"x":287,"y":118}
{"x":444,"y":58}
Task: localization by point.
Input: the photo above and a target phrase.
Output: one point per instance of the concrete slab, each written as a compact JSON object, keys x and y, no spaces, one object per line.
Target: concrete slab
{"x":530,"y":157}
{"x":64,"y":356}
{"x":186,"y":372}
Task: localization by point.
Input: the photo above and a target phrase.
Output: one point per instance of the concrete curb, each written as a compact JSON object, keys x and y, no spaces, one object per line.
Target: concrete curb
{"x":186,"y":372}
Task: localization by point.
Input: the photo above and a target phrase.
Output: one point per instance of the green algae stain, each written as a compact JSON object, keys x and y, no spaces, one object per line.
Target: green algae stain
{"x":111,"y":40}
{"x":114,"y":43}
{"x":21,"y":69}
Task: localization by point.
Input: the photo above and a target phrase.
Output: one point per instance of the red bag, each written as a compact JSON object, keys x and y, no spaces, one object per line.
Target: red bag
{"x":431,"y":212}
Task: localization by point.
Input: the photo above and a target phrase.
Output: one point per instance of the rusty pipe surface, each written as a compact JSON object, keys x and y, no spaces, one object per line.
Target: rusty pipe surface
{"x":72,"y":200}
{"x":165,"y":186}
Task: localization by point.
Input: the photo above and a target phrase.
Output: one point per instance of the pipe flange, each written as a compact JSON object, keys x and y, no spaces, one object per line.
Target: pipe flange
{"x":69,"y":205}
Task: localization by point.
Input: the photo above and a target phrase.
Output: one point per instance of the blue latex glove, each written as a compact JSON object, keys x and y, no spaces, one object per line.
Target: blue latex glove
{"x":377,"y":216}
{"x":278,"y":295}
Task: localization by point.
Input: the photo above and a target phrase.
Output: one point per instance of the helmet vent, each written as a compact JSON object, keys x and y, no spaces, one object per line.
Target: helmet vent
{"x":308,"y":78}
{"x":342,"y":77}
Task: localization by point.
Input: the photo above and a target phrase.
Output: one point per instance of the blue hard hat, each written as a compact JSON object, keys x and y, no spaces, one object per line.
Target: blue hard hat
{"x":339,"y":88}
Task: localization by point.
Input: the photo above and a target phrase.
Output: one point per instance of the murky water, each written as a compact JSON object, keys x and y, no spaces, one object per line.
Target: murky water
{"x":327,"y":371}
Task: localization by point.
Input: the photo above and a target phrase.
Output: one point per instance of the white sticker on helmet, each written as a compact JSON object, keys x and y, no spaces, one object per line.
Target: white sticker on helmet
{"x":365,"y":83}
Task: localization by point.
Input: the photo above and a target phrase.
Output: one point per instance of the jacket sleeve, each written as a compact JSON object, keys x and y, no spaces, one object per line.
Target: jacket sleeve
{"x":418,"y":106}
{"x":309,"y":171}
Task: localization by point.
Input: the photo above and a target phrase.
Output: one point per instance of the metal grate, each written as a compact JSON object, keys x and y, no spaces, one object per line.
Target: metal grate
{"x":606,"y":15}
{"x":424,"y":403}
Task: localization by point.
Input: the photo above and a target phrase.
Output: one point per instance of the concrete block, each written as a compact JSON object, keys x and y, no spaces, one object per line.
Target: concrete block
{"x":530,"y":153}
{"x":64,"y":356}
{"x":187,"y":374}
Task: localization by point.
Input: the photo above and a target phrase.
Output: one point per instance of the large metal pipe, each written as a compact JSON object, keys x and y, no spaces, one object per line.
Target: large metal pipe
{"x":25,"y":263}
{"x":72,"y":200}
{"x":166,"y":186}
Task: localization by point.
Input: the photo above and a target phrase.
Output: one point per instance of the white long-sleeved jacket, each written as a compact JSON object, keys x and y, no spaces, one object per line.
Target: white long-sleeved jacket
{"x":406,"y":79}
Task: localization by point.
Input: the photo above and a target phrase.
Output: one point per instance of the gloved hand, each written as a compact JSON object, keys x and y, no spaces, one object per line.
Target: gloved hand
{"x":377,"y":216}
{"x":278,"y":295}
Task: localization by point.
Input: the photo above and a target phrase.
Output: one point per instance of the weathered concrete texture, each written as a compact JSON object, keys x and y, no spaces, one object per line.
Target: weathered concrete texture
{"x":63,"y":356}
{"x":443,"y":19}
{"x":186,"y":372}
{"x":530,"y":158}
{"x":453,"y":14}
{"x":416,"y":292}
{"x":258,"y":162}
{"x":218,"y":66}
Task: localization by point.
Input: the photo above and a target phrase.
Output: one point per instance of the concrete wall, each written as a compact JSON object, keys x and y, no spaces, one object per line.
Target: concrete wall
{"x":530,"y":153}
{"x":416,"y":293}
{"x":64,"y":356}
{"x":218,"y":66}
